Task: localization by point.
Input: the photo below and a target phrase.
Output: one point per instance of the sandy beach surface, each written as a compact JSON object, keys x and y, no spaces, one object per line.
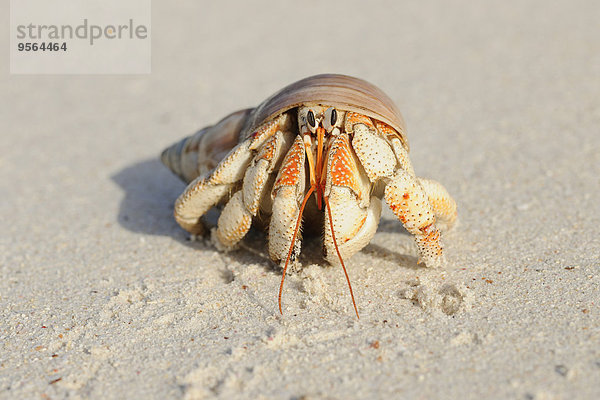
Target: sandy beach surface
{"x":103,"y":296}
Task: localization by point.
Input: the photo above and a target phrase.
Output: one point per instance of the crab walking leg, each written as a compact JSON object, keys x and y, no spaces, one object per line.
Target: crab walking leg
{"x":195,"y":201}
{"x":410,"y":203}
{"x":205,"y":192}
{"x":267,"y":161}
{"x":442,"y":203}
{"x":402,"y":155}
{"x":373,"y":151}
{"x":400,"y":151}
{"x":236,"y":217}
{"x":353,"y":217}
{"x":288,"y":193}
{"x":233,"y":224}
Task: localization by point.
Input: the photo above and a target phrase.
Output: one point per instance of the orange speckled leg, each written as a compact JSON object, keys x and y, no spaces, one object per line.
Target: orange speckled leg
{"x":288,"y":193}
{"x":267,"y":160}
{"x":354,"y":217}
{"x":349,"y":219}
{"x":385,"y":130}
{"x":353,"y":119}
{"x":399,"y":149}
{"x":442,"y":203}
{"x":265,"y":131}
{"x":410,"y":203}
{"x":371,"y":147}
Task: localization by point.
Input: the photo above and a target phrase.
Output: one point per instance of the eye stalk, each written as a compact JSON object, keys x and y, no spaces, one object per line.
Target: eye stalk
{"x":330,"y":119}
{"x":311,"y":121}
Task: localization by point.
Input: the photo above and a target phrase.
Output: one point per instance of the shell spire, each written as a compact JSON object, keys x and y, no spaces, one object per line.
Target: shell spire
{"x":200,"y":153}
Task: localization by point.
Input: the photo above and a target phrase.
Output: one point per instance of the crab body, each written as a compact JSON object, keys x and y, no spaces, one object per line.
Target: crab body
{"x":333,"y":138}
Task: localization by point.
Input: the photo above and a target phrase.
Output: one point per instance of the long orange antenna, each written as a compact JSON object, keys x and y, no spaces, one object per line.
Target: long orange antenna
{"x":319,"y":168}
{"x":287,"y":260}
{"x":339,"y":255}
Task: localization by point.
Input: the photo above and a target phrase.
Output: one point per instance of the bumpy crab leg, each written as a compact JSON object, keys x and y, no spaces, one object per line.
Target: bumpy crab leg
{"x":291,"y":176}
{"x":327,"y":183}
{"x":415,"y":202}
{"x":355,"y":207}
{"x":373,"y":151}
{"x":207,"y":190}
{"x":355,"y":212}
{"x":444,"y":206}
{"x":288,"y":192}
{"x":236,"y":217}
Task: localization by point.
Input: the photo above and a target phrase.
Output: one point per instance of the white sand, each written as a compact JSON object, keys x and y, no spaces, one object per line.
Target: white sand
{"x":102,"y":296}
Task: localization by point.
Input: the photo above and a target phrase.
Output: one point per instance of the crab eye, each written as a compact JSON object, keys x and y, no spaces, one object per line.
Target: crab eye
{"x":310,"y":118}
{"x":330,"y":119}
{"x":333,"y":117}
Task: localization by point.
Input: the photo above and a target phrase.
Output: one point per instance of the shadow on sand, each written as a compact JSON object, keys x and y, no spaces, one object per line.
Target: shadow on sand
{"x":150,"y":192}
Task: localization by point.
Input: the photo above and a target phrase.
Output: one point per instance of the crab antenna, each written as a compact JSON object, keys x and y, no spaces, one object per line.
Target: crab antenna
{"x":309,"y":156}
{"x":287,"y":260}
{"x":339,"y":255}
{"x":320,"y":133}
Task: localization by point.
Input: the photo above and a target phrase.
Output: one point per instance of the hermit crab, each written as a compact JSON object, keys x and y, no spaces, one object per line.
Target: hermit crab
{"x":336,"y":137}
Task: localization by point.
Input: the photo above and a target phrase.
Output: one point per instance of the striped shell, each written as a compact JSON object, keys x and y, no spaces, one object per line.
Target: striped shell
{"x":201,"y":152}
{"x":340,"y":91}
